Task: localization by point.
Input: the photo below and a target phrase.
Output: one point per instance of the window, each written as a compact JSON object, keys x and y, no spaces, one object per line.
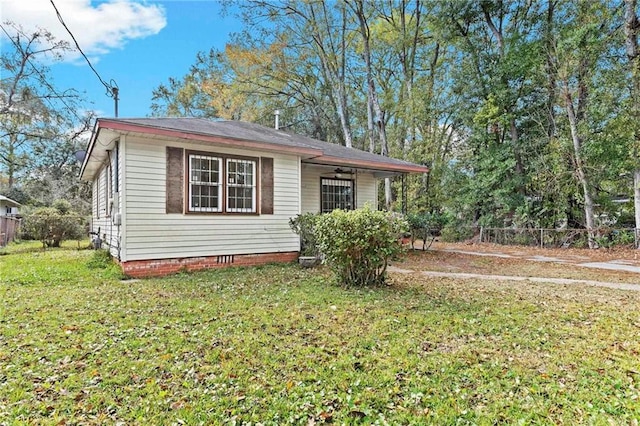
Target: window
{"x":205,"y":183}
{"x":96,"y":195}
{"x":115,"y":172}
{"x":211,"y":193}
{"x":336,"y":194}
{"x":241,"y":186}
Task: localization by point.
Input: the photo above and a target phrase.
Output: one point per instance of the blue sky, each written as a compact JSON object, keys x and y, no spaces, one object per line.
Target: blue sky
{"x":137,"y":44}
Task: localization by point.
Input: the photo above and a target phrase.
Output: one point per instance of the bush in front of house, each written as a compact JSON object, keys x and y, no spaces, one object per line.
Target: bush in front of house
{"x":304,"y":226}
{"x":424,"y":226}
{"x":55,"y":224}
{"x":358,"y":244}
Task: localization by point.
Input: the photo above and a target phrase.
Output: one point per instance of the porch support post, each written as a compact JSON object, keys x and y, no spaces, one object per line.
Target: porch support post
{"x":404,"y":194}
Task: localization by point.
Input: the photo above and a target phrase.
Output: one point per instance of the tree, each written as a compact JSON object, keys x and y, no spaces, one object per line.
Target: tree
{"x":511,"y":103}
{"x":632,"y":24}
{"x":55,"y":224}
{"x":38,"y":122}
{"x":376,"y":124}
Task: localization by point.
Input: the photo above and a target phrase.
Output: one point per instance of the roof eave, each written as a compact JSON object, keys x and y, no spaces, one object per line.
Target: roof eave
{"x":10,"y":202}
{"x":92,"y":142}
{"x":374,"y":165}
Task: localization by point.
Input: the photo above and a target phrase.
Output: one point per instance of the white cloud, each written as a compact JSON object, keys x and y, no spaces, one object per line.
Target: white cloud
{"x":98,"y":28}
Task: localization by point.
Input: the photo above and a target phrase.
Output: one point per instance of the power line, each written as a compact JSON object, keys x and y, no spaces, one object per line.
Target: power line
{"x":112,"y":87}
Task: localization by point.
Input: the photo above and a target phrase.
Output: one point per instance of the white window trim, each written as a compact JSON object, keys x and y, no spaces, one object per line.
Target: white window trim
{"x":192,"y":208}
{"x":245,"y":185}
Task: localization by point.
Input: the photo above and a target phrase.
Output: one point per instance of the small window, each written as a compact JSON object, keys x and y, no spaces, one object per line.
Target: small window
{"x":96,"y":196}
{"x":115,"y":169}
{"x":205,"y":183}
{"x":241,"y":186}
{"x":336,"y":194}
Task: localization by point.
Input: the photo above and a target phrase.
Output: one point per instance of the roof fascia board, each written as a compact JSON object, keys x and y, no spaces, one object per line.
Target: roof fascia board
{"x":10,"y":202}
{"x":92,"y":142}
{"x":374,"y":165}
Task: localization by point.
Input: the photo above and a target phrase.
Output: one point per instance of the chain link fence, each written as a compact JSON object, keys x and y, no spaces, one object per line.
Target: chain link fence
{"x":560,"y":238}
{"x":604,"y":237}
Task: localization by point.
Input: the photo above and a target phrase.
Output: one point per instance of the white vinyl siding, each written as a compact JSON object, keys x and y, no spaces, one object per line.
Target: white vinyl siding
{"x":365,"y":183}
{"x":106,"y":203}
{"x":367,"y":190}
{"x":151,"y":233}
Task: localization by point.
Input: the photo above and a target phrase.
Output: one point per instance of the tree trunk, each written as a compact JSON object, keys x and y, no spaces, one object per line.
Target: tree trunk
{"x":333,"y":62}
{"x":370,"y":127}
{"x":509,"y":109}
{"x":580,"y":171}
{"x":551,"y":70}
{"x":636,"y":203}
{"x":631,"y":44}
{"x":372,"y":97}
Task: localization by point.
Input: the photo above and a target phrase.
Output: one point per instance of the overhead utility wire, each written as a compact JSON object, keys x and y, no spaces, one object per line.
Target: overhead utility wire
{"x":112,"y":87}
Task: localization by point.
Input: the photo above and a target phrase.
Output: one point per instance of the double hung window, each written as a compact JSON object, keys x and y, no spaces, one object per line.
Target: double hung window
{"x":218,"y":184}
{"x":205,"y":183}
{"x":241,"y":186}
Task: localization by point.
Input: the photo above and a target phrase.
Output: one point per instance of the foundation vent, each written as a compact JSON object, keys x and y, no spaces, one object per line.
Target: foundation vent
{"x":226,"y":259}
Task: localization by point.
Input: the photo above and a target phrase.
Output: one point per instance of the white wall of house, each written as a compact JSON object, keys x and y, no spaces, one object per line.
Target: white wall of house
{"x":106,"y":204}
{"x":150,"y":233}
{"x":365,"y":183}
{"x":7,"y":210}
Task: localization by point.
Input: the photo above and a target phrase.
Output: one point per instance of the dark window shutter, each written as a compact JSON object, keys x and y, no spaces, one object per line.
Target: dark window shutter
{"x":266,"y":185}
{"x":175,"y":182}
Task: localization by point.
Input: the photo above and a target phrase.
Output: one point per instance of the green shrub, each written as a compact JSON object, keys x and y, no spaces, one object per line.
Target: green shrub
{"x":100,"y":259}
{"x":615,"y":237}
{"x":53,"y":225}
{"x":358,"y":244}
{"x":455,"y":231}
{"x":423,"y":226}
{"x":304,"y":226}
{"x":624,"y":238}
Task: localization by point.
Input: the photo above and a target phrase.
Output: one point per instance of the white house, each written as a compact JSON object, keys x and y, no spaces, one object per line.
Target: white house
{"x":191,"y":193}
{"x":9,"y":220}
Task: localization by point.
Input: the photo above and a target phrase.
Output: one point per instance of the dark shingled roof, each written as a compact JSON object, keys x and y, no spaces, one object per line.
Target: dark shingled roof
{"x":326,"y":153}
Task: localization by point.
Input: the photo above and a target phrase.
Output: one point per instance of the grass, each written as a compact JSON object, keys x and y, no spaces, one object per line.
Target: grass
{"x":280,"y":345}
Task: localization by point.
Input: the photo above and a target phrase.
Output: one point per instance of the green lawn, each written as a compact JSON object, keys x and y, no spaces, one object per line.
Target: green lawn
{"x":280,"y":345}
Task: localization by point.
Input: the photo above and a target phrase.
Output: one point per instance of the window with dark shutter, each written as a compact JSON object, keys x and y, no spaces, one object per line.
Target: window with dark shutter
{"x":203,"y":182}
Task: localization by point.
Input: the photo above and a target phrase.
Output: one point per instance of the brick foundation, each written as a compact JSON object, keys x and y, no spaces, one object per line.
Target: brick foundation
{"x":159,"y":267}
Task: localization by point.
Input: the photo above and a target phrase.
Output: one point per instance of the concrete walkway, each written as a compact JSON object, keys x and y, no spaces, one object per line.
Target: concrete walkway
{"x":621,"y":286}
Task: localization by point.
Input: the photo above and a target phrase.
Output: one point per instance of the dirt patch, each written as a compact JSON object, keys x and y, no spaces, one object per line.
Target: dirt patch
{"x":491,"y":259}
